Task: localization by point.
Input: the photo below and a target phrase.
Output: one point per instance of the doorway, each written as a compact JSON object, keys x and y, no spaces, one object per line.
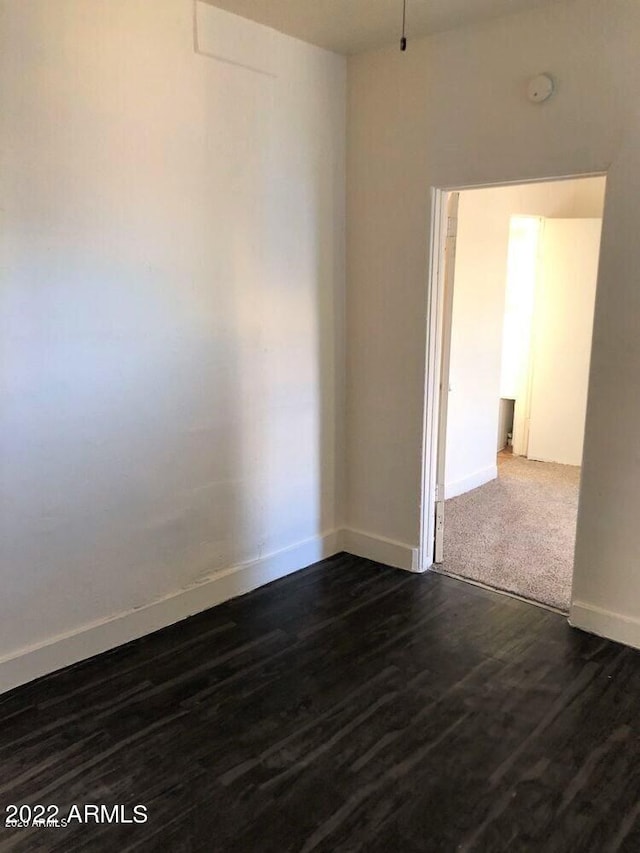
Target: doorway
{"x":514,"y":270}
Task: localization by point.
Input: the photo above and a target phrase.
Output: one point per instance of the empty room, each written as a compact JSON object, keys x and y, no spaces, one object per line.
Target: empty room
{"x":299,"y":427}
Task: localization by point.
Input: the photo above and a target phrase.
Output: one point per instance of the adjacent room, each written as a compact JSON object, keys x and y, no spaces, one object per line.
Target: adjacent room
{"x":225,"y":230}
{"x":524,"y":290}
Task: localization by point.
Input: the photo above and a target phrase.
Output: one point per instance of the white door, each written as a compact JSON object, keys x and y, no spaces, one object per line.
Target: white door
{"x":562,"y":333}
{"x":447,"y":319}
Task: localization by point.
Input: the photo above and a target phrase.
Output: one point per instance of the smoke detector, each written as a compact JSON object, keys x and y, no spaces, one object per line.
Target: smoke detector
{"x":540,"y":88}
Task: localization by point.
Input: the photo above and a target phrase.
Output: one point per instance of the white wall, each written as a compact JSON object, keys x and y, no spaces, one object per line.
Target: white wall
{"x":172,"y":300}
{"x":474,"y":373}
{"x":452,"y":111}
{"x":522,"y":274}
{"x":484,"y":218}
{"x":562,"y":332}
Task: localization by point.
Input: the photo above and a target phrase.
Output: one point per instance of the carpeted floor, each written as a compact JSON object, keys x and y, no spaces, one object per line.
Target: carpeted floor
{"x":517,"y":533}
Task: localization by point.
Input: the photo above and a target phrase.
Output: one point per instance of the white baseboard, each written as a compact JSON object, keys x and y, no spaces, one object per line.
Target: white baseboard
{"x":32,"y":662}
{"x":605,"y":623}
{"x":479,"y":478}
{"x":43,"y":658}
{"x":381,"y":550}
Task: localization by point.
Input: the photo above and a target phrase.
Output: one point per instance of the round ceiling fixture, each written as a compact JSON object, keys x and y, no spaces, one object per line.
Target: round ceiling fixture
{"x":540,"y":88}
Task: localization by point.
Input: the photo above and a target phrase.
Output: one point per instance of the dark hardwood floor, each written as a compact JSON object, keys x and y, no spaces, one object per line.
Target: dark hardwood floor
{"x":346,"y":707}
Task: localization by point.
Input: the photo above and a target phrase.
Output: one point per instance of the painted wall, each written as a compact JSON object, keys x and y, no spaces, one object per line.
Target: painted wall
{"x":484,"y":218}
{"x":522,"y":274}
{"x":452,"y":111}
{"x":562,"y":332}
{"x":172,"y":302}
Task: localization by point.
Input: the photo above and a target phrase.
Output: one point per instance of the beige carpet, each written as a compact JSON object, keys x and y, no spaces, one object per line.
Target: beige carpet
{"x":517,"y":533}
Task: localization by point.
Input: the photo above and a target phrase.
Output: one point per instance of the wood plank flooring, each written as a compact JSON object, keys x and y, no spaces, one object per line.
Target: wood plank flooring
{"x":347,"y":707}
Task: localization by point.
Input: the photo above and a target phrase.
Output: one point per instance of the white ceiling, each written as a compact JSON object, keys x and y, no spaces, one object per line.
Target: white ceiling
{"x":351,"y":26}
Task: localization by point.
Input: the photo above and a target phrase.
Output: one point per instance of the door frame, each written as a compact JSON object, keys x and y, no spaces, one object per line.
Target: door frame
{"x":438,"y":326}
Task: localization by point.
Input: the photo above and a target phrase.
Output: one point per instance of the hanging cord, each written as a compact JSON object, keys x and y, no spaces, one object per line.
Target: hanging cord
{"x":403,"y":40}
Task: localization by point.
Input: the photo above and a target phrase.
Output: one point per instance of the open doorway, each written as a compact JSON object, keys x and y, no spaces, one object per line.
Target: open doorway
{"x":512,"y":344}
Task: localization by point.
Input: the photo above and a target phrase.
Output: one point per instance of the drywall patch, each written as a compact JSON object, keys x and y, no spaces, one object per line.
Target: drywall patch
{"x":229,"y":38}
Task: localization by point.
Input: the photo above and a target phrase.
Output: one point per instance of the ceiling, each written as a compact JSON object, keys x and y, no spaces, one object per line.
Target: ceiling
{"x":351,"y":26}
